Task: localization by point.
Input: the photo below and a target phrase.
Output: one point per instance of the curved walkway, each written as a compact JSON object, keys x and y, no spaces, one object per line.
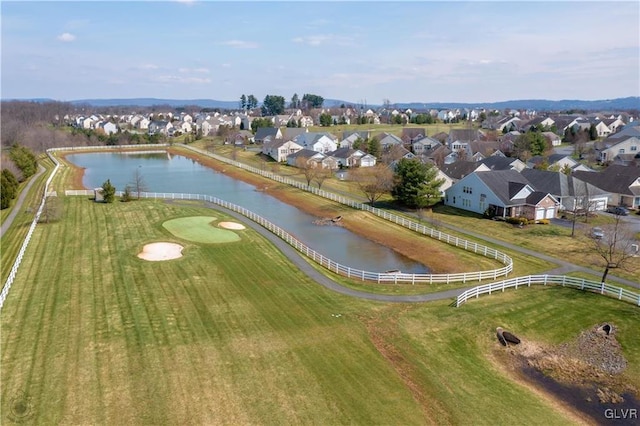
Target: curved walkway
{"x":18,"y":206}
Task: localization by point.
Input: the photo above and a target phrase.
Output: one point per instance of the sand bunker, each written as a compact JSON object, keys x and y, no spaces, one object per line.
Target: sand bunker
{"x":161,"y":251}
{"x":231,"y":225}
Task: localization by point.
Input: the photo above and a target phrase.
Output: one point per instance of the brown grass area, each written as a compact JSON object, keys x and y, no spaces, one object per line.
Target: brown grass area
{"x":508,"y":365}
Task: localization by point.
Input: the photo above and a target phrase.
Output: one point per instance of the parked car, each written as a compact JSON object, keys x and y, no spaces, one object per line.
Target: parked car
{"x":618,"y":210}
{"x":597,"y":233}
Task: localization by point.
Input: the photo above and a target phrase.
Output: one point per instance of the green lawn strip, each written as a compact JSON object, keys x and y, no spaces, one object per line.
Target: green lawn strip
{"x":200,"y":229}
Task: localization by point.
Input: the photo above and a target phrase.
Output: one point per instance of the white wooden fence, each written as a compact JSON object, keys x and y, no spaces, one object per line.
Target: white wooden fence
{"x":563,"y":280}
{"x":25,"y":243}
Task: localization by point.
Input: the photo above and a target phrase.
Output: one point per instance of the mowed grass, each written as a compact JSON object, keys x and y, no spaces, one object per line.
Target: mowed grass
{"x":199,"y":229}
{"x":229,"y":333}
{"x":234,"y":333}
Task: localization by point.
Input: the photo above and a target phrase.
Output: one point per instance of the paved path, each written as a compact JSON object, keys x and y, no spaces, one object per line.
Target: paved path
{"x":18,"y":206}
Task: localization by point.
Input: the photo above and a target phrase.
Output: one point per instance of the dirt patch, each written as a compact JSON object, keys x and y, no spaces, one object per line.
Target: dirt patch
{"x":161,"y":251}
{"x":231,"y":225}
{"x":585,"y":374}
{"x":76,"y":174}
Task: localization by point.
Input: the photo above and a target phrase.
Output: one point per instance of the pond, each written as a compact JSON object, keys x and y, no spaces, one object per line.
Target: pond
{"x":164,"y":173}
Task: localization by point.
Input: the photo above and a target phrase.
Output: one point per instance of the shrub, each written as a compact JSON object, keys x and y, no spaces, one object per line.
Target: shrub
{"x":519,"y":220}
{"x":544,"y":221}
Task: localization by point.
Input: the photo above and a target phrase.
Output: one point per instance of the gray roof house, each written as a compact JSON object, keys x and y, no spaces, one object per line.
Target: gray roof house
{"x":266,"y":134}
{"x":505,"y":193}
{"x":571,"y":193}
{"x":622,"y":182}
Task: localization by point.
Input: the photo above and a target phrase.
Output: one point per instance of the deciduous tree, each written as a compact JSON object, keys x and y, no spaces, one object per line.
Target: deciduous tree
{"x":138,"y":183}
{"x":615,"y":247}
{"x":374,"y":182}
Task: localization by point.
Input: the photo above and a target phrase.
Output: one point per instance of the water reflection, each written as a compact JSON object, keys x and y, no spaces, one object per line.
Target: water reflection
{"x":163,"y":173}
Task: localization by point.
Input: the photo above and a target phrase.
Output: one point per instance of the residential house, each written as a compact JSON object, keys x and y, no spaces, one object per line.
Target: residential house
{"x":459,"y":169}
{"x":622,"y":182}
{"x":317,"y":141}
{"x":312,"y":159}
{"x":506,"y":193}
{"x":108,"y":127}
{"x":290,"y":133}
{"x":266,"y":134}
{"x":571,"y":193}
{"x":464,"y":135}
{"x":348,"y":138}
{"x":608,"y":149}
{"x":497,"y":162}
{"x":557,"y":162}
{"x":614,"y":124}
{"x":347,"y":157}
{"x":552,"y":138}
{"x":279,"y":149}
{"x":602,"y":129}
{"x":424,"y":144}
{"x":160,"y":127}
{"x":412,"y":134}
{"x":387,"y":140}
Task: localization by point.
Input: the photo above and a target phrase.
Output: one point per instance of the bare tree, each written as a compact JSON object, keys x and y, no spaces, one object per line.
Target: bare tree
{"x":51,"y":210}
{"x":138,"y":183}
{"x":582,"y":203}
{"x":374,"y":181}
{"x":308,"y":168}
{"x":322,"y":174}
{"x":616,"y":246}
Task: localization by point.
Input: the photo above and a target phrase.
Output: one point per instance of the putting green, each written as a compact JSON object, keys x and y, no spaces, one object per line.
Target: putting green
{"x":200,"y":230}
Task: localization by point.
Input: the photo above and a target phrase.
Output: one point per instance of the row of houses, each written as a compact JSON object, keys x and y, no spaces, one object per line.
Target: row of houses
{"x":541,"y":194}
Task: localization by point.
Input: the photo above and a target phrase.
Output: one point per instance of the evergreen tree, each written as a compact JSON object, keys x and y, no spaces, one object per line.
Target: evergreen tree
{"x":108,"y":192}
{"x":416,"y":185}
{"x":8,"y":188}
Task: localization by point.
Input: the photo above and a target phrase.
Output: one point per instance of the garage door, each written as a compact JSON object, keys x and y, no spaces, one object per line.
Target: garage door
{"x":540,"y":213}
{"x":551,"y":213}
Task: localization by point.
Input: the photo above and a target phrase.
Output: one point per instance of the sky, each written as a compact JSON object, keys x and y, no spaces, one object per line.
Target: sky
{"x":360,"y":52}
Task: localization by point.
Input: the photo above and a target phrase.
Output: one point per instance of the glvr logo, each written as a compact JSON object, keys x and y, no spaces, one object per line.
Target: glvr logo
{"x":621,"y":413}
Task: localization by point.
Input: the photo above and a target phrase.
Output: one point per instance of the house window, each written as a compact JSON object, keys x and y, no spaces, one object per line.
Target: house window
{"x":454,"y":200}
{"x":634,"y":148}
{"x":621,"y":151}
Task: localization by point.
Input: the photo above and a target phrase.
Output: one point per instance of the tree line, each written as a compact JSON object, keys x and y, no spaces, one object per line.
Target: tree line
{"x":276,"y":104}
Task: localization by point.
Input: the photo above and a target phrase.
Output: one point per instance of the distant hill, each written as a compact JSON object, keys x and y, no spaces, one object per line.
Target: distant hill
{"x":632,"y":102}
{"x":618,"y":104}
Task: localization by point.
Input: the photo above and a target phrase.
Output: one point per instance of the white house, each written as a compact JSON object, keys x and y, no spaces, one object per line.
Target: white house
{"x":504,"y":193}
{"x":279,"y":150}
{"x":320,"y":142}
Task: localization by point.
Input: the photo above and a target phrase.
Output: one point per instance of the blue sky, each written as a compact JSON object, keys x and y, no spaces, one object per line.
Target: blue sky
{"x":353,"y":51}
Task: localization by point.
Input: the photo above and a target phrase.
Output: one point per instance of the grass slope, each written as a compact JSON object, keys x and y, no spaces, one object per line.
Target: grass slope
{"x":233,"y":333}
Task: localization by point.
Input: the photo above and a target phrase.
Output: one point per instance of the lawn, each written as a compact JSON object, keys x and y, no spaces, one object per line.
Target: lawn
{"x":233,"y":333}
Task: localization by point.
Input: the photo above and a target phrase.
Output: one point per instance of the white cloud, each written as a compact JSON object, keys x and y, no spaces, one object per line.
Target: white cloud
{"x":320,"y":39}
{"x":66,"y":37}
{"x":240,"y":44}
{"x":177,"y":79}
{"x":148,"y":67}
